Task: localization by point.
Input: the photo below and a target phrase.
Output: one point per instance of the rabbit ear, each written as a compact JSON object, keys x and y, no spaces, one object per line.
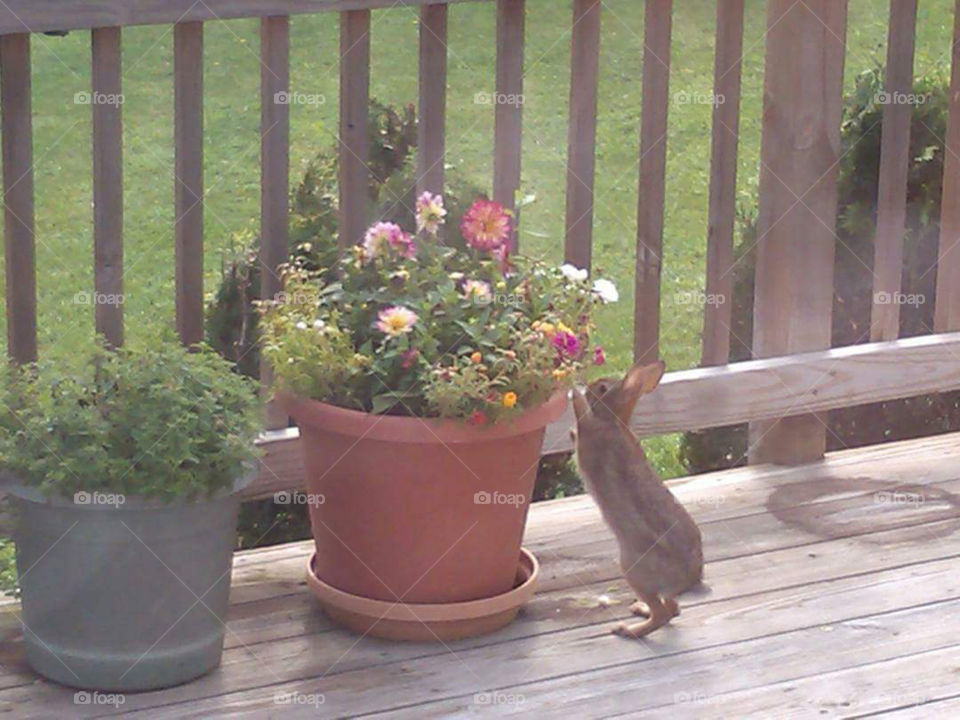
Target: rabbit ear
{"x":643,"y":379}
{"x":581,"y":407}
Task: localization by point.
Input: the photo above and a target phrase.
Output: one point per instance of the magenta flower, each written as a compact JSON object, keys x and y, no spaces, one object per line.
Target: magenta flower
{"x":599,"y":358}
{"x":567,"y":343}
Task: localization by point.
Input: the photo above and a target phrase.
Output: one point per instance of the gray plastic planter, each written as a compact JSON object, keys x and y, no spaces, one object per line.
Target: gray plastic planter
{"x":124,"y":596}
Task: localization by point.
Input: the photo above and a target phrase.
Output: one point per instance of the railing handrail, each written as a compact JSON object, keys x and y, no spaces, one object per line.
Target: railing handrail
{"x":19,"y":16}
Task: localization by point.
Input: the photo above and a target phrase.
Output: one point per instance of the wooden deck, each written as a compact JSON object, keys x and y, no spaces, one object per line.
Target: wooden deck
{"x":834,"y":592}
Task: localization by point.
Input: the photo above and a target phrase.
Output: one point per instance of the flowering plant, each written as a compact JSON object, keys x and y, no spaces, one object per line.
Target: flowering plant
{"x":408,"y":326}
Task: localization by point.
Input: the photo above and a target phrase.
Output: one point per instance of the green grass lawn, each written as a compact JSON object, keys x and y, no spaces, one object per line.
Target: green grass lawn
{"x":63,"y":155}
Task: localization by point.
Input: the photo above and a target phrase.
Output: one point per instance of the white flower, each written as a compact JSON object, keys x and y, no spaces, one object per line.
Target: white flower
{"x":606,"y":290}
{"x":571,"y":272}
{"x":301,"y":325}
{"x":319,"y":324}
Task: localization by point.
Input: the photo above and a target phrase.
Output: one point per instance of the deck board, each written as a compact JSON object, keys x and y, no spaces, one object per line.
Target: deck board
{"x":823,"y":602}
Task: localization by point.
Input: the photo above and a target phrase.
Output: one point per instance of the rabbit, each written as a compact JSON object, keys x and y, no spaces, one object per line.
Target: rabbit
{"x":661,"y":550}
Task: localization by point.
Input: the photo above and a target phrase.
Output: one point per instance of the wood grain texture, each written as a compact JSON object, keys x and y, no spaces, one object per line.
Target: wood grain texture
{"x":508,"y":104}
{"x":894,"y":164}
{"x":800,"y":153}
{"x":17,"y":16}
{"x":188,"y":187}
{"x":107,"y":183}
{"x":354,"y":144}
{"x":18,"y":225}
{"x":947,"y":314}
{"x":653,"y":167}
{"x":274,"y":172}
{"x":717,"y":396}
{"x":582,"y":131}
{"x":723,"y":183}
{"x":432,"y":130}
{"x":869,"y":599}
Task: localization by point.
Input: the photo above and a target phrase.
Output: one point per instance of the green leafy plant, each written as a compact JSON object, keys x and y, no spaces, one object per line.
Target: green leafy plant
{"x":408,"y":326}
{"x":158,"y":422}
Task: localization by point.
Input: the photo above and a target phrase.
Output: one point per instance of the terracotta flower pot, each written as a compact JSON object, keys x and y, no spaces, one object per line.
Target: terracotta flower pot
{"x":418,"y":511}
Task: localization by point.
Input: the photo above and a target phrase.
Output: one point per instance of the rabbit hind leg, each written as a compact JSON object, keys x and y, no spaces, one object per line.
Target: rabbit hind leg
{"x":660,"y":615}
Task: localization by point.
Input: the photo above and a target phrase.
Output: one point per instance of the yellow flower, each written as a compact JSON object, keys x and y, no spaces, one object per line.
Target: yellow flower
{"x":564,"y":329}
{"x":548,"y":329}
{"x":476,"y":358}
{"x":509,"y":399}
{"x":560,"y":373}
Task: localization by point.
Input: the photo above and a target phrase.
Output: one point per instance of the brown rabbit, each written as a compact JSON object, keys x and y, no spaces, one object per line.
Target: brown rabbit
{"x":661,"y":551}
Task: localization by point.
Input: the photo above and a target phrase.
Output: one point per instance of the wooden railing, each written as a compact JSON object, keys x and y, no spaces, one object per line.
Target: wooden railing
{"x":796,"y":374}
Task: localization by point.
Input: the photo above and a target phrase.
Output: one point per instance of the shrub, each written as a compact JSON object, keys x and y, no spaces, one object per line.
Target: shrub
{"x":856,"y":223}
{"x":159,"y":423}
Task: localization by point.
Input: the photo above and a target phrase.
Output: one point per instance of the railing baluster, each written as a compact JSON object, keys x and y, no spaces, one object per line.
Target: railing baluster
{"x":107,"y":182}
{"x":20,"y":255}
{"x":354,"y":145}
{"x":508,"y":103}
{"x":274,"y":168}
{"x":653,"y":164}
{"x":800,"y":154}
{"x":582,"y":133}
{"x":188,"y":194}
{"x":433,"y":98}
{"x":947,"y":315}
{"x":894,"y":165}
{"x":723,"y":182}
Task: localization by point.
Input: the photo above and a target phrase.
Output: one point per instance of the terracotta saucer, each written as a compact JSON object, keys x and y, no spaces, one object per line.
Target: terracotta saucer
{"x":427,"y":622}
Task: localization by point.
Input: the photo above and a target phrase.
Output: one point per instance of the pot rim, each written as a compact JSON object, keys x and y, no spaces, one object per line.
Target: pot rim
{"x":419,"y":613}
{"x":395,"y":428}
{"x":28,"y":493}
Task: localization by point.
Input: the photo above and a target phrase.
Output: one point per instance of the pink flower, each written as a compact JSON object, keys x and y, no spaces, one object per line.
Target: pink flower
{"x":566,"y":343}
{"x":430,"y":212}
{"x":478,"y":291}
{"x":395,"y":321}
{"x":381,"y":237}
{"x":599,"y":358}
{"x":486,"y":226}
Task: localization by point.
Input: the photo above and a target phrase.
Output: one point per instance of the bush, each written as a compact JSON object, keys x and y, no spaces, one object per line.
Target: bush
{"x":856,"y":224}
{"x":159,"y":423}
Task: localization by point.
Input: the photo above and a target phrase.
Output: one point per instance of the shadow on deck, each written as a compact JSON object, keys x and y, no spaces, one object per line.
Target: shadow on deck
{"x":834,"y":592}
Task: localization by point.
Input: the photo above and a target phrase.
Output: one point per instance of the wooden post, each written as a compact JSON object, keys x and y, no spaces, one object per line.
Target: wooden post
{"x":274,"y":171}
{"x":800,"y":153}
{"x":653,"y":167}
{"x":106,"y":102}
{"x":723,"y":183}
{"x":431,"y":130}
{"x":894,"y":166}
{"x":508,"y":104}
{"x":188,"y":193}
{"x":18,"y":228}
{"x":947,"y":315}
{"x":582,"y":133}
{"x":354,"y":145}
